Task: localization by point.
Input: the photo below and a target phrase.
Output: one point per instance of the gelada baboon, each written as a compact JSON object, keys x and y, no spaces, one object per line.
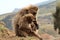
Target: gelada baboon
{"x":57,"y":19}
{"x":34,"y":26}
{"x":30,"y":9}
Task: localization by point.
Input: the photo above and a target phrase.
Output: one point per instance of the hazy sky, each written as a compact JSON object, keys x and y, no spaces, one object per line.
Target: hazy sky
{"x":10,"y":5}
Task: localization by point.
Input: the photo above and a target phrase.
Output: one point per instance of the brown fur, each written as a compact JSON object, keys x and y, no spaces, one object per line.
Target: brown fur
{"x":31,"y":9}
{"x":24,"y":24}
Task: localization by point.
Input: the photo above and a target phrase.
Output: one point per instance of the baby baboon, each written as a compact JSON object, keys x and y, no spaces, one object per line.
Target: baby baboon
{"x":57,"y":19}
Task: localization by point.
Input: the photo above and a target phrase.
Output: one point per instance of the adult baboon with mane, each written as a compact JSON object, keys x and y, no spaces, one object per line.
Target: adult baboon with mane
{"x":18,"y":17}
{"x":31,"y":9}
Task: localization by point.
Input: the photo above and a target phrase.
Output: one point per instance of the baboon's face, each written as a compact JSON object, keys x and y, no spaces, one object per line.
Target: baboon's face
{"x":32,"y":9}
{"x":33,"y":12}
{"x":29,"y":18}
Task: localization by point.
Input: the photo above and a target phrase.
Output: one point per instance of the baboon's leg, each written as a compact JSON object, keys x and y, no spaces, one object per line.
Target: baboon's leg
{"x":20,"y":32}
